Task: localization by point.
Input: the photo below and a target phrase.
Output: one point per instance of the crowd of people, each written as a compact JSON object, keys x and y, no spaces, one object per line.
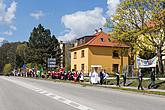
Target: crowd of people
{"x":70,"y":75}
{"x":98,"y":78}
{"x":61,"y":74}
{"x":94,"y":76}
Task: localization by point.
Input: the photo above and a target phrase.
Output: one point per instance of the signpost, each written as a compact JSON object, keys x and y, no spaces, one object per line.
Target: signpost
{"x":51,"y":62}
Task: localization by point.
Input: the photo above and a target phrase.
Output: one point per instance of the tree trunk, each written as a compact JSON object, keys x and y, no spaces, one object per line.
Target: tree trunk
{"x":160,"y":63}
{"x":131,"y":62}
{"x":121,"y":65}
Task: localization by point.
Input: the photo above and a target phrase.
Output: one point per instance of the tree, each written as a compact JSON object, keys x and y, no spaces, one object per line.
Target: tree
{"x":8,"y":54}
{"x":7,"y":68}
{"x":2,"y":58}
{"x":42,"y":46}
{"x":131,"y":20}
{"x":154,"y":35}
{"x":20,"y":54}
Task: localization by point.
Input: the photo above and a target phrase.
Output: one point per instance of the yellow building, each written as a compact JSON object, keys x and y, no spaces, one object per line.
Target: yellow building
{"x":98,"y":50}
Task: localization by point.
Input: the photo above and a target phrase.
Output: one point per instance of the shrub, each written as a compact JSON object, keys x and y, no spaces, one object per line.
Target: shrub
{"x":7,"y":69}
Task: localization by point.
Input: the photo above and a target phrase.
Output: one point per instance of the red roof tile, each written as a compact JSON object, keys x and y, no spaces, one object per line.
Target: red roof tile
{"x":102,"y":39}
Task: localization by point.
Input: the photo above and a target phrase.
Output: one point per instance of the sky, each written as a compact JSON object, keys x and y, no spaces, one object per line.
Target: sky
{"x":66,"y":19}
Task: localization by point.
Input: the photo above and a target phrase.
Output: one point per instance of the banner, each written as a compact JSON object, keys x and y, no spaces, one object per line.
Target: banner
{"x":143,"y":63}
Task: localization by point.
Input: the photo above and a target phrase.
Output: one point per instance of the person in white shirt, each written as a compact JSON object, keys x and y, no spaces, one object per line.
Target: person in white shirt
{"x":94,"y":77}
{"x":81,"y":76}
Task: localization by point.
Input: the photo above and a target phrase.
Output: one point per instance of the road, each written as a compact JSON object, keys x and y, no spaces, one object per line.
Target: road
{"x":18,"y":93}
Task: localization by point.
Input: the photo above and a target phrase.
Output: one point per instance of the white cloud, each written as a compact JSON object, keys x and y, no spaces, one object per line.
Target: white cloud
{"x":7,"y":14}
{"x":13,"y":28}
{"x":82,"y":23}
{"x":10,"y":13}
{"x":112,"y":6}
{"x":8,"y":33}
{"x":2,"y":10}
{"x":1,"y":39}
{"x":37,"y":14}
{"x":67,"y":37}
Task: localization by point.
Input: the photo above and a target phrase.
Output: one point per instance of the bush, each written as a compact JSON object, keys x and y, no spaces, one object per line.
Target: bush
{"x":7,"y":69}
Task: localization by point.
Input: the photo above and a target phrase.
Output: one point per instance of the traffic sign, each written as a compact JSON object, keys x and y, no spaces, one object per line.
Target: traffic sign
{"x":51,"y":62}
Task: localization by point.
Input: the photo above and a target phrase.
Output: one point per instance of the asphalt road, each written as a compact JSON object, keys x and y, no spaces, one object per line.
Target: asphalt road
{"x":31,"y":94}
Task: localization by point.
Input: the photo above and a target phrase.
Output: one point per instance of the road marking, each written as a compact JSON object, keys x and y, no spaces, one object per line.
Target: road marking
{"x":74,"y":104}
{"x":42,"y":92}
{"x":51,"y":95}
{"x":38,"y":90}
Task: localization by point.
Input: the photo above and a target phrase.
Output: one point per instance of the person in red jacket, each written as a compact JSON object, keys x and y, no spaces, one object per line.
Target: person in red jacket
{"x":75,"y":76}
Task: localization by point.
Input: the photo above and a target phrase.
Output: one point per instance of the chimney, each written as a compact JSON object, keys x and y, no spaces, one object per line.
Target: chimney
{"x":96,"y":30}
{"x":61,"y":42}
{"x":100,"y":30}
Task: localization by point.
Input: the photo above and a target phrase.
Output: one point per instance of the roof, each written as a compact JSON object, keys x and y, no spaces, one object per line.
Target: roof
{"x":86,"y":36}
{"x":104,"y":40}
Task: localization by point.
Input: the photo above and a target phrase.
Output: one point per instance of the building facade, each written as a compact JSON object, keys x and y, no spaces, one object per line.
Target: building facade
{"x":99,"y":50}
{"x":62,"y":61}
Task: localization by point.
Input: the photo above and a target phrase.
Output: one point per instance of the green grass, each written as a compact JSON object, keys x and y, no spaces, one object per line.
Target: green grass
{"x":131,"y":90}
{"x":134,"y":83}
{"x":140,"y":91}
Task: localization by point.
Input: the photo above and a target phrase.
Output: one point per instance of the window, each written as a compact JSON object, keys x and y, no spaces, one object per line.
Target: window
{"x":115,"y":54}
{"x":82,"y":66}
{"x":75,"y":55}
{"x":75,"y":67}
{"x":102,"y":39}
{"x":82,"y":53}
{"x":115,"y":67}
{"x":81,"y":41}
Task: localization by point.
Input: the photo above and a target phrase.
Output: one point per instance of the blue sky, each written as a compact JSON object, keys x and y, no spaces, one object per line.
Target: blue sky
{"x":67,"y":19}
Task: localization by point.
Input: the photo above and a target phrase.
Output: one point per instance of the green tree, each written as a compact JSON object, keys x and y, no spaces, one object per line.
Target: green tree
{"x":8,"y":54}
{"x":131,"y":20}
{"x":42,"y":46}
{"x":7,"y":69}
{"x":20,"y":54}
{"x":2,"y":58}
{"x":154,"y":35}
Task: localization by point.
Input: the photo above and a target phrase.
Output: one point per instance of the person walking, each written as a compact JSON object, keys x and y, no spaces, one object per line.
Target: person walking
{"x":152,"y":76}
{"x":118,"y":79}
{"x":94,"y":77}
{"x":90,"y":77}
{"x":81,"y":76}
{"x":75,"y":75}
{"x":101,"y":77}
{"x":140,"y":79}
{"x":124,"y":75}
